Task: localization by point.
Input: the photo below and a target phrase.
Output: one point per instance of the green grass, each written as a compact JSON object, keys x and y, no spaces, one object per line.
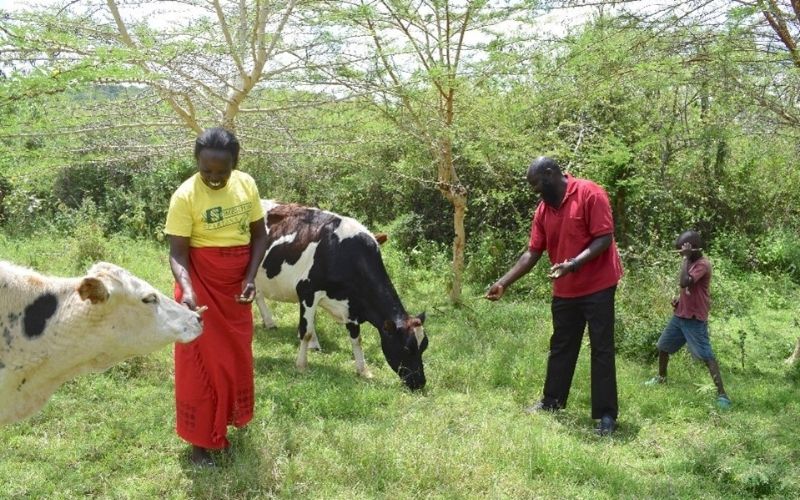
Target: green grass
{"x":328,"y":434}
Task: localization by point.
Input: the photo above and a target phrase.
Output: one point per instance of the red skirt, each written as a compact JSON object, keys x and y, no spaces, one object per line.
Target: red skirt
{"x":214,"y":373}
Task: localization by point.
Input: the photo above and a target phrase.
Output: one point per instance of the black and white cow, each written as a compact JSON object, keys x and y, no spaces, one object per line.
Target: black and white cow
{"x":52,"y":329}
{"x":319,"y":258}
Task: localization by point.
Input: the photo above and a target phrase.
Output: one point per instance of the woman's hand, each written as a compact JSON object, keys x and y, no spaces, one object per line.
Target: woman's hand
{"x":189,"y":300}
{"x":248,"y":293}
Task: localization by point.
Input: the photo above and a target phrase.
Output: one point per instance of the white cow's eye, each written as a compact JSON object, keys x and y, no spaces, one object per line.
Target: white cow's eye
{"x":150,"y":299}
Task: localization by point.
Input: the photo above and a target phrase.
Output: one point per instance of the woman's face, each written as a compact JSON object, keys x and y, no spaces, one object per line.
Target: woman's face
{"x":215,"y":167}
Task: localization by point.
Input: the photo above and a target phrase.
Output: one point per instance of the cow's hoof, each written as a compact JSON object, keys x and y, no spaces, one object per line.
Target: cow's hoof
{"x":301,"y":368}
{"x":314,"y":346}
{"x":365,"y":374}
{"x":272,"y":326}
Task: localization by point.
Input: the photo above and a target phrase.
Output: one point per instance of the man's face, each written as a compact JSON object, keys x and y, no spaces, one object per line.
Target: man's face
{"x":543,"y":184}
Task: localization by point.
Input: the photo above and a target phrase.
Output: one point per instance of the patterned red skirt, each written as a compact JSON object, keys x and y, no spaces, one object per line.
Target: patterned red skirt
{"x":214,"y":373}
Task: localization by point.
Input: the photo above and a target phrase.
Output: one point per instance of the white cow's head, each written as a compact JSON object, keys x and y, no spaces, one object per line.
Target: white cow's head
{"x":133,"y":317}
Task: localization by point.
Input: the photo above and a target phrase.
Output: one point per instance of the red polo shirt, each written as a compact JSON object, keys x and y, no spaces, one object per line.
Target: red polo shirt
{"x":566,"y":231}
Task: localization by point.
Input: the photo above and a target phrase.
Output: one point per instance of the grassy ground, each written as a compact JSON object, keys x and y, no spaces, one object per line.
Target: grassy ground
{"x":329,"y":434}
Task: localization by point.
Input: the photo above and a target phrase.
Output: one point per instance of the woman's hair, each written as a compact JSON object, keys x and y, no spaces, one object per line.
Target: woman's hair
{"x":219,"y":139}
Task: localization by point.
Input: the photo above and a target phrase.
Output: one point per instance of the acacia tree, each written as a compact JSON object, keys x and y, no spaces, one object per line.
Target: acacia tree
{"x":756,"y":39}
{"x":168,"y":68}
{"x":411,"y":58}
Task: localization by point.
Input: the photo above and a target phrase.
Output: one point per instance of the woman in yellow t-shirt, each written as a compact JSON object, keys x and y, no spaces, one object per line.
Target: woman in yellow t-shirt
{"x":217,"y":240}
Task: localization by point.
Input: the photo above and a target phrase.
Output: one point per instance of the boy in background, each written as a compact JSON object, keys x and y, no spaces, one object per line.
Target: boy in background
{"x":689,"y":324}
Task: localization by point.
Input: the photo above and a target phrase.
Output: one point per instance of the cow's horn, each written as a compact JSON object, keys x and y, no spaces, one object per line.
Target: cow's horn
{"x":201,"y":309}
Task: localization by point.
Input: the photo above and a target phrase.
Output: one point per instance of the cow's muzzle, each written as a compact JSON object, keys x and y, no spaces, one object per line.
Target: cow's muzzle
{"x":413,"y":379}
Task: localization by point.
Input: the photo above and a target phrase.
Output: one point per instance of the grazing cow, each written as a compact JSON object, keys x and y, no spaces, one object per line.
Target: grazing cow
{"x":54,"y":329}
{"x":319,"y":258}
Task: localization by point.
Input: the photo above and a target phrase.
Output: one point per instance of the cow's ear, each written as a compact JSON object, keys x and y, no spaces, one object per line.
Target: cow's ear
{"x":92,"y":289}
{"x":381,"y":238}
{"x":390,"y":327}
{"x":421,"y":318}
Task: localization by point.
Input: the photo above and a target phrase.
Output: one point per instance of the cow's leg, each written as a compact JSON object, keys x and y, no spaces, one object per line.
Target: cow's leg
{"x":795,"y":357}
{"x":308,"y":307}
{"x":266,"y":315}
{"x":314,"y":342}
{"x":358,"y":353}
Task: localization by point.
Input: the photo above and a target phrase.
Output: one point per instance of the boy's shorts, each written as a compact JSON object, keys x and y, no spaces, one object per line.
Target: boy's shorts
{"x":692,"y":332}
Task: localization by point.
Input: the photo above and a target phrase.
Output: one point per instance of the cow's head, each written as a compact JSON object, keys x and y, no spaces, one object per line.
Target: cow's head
{"x":403,"y":345}
{"x":134,"y":318}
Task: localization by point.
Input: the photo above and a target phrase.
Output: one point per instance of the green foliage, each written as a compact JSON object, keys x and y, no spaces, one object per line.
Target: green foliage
{"x":779,"y":252}
{"x":88,"y":242}
{"x":644,"y":307}
{"x":328,"y":434}
{"x":75,"y":183}
{"x":5,"y":190}
{"x":125,"y":198}
{"x":140,"y":208}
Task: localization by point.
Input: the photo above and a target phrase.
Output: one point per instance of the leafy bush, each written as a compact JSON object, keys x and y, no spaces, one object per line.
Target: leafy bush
{"x":779,"y":252}
{"x":643,"y":308}
{"x":491,"y":254}
{"x":88,"y":243}
{"x":26,"y":209}
{"x":140,"y":209}
{"x":74,"y":183}
{"x":5,"y":190}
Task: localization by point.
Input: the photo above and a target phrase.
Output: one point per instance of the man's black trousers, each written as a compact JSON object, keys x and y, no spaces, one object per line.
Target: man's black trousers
{"x":570,"y":317}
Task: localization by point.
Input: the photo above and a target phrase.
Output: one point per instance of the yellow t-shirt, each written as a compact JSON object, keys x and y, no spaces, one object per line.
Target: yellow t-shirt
{"x":214,"y":218}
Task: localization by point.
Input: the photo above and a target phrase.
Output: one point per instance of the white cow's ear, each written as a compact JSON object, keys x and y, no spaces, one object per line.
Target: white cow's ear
{"x":92,"y":289}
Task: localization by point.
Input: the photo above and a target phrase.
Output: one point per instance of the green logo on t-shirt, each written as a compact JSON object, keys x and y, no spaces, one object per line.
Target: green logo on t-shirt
{"x":213,"y":215}
{"x":217,"y":217}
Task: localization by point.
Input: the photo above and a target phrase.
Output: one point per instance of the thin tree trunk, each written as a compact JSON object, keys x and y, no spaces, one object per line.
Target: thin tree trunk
{"x":459,"y":242}
{"x":452,"y":189}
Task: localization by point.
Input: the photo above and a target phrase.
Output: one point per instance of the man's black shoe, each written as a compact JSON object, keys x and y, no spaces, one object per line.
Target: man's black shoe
{"x":540,"y":407}
{"x":607,"y":425}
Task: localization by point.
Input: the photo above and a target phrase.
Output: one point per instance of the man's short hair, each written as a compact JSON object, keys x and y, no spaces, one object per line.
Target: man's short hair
{"x":543,"y":163}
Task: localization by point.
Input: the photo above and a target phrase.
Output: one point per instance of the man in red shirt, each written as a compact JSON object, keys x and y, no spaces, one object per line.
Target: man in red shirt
{"x":573,"y":224}
{"x":689,"y":325}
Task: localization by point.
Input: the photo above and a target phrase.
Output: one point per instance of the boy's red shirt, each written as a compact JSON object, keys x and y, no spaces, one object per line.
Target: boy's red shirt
{"x":695,"y":300}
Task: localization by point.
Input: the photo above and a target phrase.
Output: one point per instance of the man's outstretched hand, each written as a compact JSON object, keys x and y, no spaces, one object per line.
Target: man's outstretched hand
{"x":495,"y":292}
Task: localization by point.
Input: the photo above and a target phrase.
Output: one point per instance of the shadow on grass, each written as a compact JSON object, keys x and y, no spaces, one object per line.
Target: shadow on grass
{"x":585,"y":429}
{"x":288,"y":336}
{"x":317,"y":367}
{"x":239,"y":471}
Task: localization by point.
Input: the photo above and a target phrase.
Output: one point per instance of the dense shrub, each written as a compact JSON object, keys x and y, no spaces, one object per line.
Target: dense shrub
{"x":140,"y":209}
{"x":5,"y":190}
{"x":88,"y":243}
{"x":74,"y":183}
{"x":779,"y":252}
{"x":643,"y":308}
{"x":127,"y":199}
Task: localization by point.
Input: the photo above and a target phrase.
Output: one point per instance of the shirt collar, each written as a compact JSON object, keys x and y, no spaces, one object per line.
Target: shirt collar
{"x":572,"y":186}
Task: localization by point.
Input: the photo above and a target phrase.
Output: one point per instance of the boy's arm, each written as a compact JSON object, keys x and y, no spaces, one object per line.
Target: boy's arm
{"x":684,"y":278}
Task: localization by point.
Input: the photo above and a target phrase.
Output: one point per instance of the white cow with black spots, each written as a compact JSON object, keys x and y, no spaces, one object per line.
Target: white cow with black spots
{"x":53,"y":329}
{"x":318,"y":258}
